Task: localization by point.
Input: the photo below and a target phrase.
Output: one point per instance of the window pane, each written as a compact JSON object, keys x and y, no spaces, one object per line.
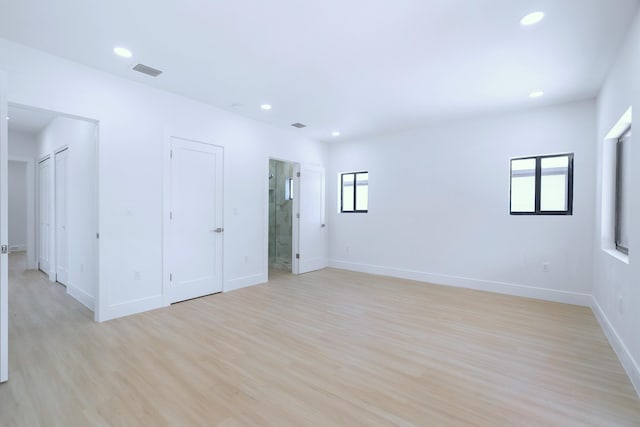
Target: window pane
{"x":555,"y":162}
{"x":347,"y":192}
{"x":523,"y":194}
{"x":362,"y":191}
{"x":528,"y":165}
{"x":554,"y":183}
{"x":553,"y":195}
{"x":523,"y":185}
{"x":622,"y":193}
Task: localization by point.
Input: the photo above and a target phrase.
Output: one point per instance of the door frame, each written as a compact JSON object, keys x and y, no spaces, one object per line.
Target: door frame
{"x":31,"y":249}
{"x":4,"y":238}
{"x":295,"y":225}
{"x":166,"y":204}
{"x":100,"y":297}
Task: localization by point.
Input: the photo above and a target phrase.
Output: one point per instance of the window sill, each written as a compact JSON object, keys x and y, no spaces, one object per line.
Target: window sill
{"x":617,"y":255}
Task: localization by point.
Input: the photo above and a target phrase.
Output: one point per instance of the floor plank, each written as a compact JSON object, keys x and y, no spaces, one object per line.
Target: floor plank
{"x":322,"y":349}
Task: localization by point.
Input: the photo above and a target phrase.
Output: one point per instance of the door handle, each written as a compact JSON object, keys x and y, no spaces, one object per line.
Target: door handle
{"x":217,"y":230}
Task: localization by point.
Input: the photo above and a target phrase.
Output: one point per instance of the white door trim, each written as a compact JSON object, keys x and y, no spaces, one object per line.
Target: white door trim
{"x":166,"y":203}
{"x":4,"y":238}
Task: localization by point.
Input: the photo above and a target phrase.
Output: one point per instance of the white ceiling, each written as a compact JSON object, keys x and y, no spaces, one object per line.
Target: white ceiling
{"x":358,"y":66}
{"x":27,"y":120}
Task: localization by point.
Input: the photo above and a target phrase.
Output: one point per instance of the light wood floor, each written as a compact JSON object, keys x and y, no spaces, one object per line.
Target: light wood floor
{"x":323,"y":349}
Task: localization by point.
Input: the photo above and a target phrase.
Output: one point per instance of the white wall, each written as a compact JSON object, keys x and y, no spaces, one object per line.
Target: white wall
{"x":22,"y":147}
{"x":617,"y":284}
{"x":17,"y":206}
{"x":439,"y":205}
{"x":80,"y":136}
{"x":133,"y":121}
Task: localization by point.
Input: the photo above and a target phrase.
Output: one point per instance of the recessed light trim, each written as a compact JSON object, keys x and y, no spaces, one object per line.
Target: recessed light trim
{"x":532,"y":18}
{"x":536,"y":94}
{"x":122,"y":51}
{"x":266,"y":107}
{"x":335,"y":133}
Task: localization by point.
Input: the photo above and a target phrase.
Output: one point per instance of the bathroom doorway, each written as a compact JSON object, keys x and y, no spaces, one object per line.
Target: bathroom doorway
{"x":281,"y":207}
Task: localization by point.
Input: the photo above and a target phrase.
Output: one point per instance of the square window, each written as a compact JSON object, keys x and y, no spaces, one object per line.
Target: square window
{"x":542,"y":185}
{"x":354,"y":192}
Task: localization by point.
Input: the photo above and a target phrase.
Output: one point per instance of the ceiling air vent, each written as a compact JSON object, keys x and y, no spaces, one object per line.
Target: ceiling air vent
{"x":299,"y":125}
{"x":144,"y":69}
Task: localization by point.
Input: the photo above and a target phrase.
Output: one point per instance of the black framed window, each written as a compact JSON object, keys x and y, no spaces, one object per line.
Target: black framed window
{"x":542,"y":185}
{"x":354,"y":192}
{"x":623,"y":179}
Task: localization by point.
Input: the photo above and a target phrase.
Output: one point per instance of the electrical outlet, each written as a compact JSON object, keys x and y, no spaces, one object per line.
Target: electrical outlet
{"x":246,"y":259}
{"x":545,"y":267}
{"x":136,"y":275}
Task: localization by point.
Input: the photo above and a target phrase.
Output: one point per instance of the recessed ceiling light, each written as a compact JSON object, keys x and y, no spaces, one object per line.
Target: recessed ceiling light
{"x":266,"y":107}
{"x":536,"y":94}
{"x":335,"y":133}
{"x":123,"y":52}
{"x":532,"y":18}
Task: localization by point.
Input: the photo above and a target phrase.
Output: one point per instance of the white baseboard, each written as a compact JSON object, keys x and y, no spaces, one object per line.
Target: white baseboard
{"x":629,"y":364}
{"x":243,"y":282}
{"x":81,"y":296}
{"x":128,"y":308}
{"x":465,"y":282}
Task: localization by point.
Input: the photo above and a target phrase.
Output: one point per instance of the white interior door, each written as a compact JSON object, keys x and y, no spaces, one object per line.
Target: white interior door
{"x":62,"y":245}
{"x":312,"y":219}
{"x":44,"y":214}
{"x":195,"y":220}
{"x":4,"y":236}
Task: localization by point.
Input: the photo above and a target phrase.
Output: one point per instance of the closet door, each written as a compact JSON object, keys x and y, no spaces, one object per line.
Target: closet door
{"x":44,"y":215}
{"x":62,"y":239}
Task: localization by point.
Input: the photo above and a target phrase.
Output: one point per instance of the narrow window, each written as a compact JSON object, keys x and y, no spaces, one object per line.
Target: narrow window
{"x":542,"y":185}
{"x":354,"y":192}
{"x":623,"y":179}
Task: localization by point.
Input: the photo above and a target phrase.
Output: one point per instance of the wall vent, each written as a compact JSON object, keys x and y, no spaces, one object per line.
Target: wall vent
{"x":145,"y":69}
{"x":299,"y":125}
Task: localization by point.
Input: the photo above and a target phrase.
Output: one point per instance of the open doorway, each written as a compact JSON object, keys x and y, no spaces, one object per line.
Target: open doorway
{"x":21,"y":209}
{"x":55,"y":220}
{"x":282,"y":191}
